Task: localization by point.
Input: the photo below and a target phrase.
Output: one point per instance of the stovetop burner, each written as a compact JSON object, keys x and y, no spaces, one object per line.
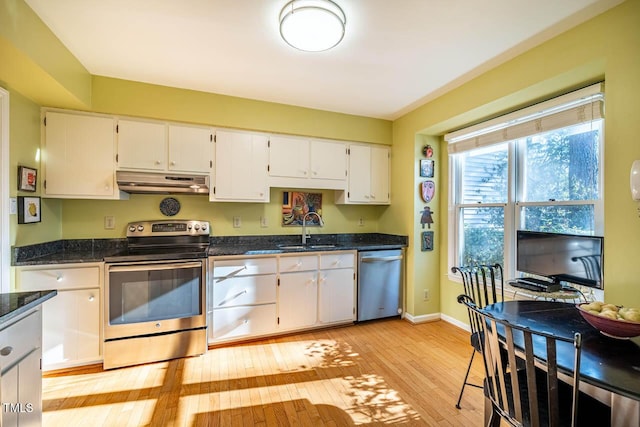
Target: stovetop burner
{"x":164,"y":240}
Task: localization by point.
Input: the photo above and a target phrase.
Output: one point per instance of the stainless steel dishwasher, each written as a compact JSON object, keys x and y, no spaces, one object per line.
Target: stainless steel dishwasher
{"x":380,"y":276}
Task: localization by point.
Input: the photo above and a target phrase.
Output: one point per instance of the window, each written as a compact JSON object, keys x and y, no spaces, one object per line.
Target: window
{"x":536,"y":169}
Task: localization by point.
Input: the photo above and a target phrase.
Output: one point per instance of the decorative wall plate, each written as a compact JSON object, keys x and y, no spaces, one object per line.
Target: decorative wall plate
{"x":169,"y":206}
{"x":427,"y":190}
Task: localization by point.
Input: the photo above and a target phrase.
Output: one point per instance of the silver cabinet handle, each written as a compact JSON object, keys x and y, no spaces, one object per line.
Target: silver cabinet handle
{"x":6,"y":350}
{"x":381,"y":259}
{"x":233,"y":273}
{"x":152,"y":267}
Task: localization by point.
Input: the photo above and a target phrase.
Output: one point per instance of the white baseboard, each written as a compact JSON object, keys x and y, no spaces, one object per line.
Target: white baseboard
{"x":455,"y":322}
{"x":422,"y":318}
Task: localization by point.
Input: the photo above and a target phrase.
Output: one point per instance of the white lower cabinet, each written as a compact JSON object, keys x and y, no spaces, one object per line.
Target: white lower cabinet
{"x":337,"y":287}
{"x":72,"y":320}
{"x":260,"y":296}
{"x":298,"y":300}
{"x":20,"y":371}
{"x":242,"y":302}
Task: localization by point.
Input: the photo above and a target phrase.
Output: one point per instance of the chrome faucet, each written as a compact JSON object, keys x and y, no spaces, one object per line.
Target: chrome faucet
{"x":305,"y":236}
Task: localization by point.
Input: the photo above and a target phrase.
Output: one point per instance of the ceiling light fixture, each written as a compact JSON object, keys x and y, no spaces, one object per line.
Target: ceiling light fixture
{"x":312,"y":25}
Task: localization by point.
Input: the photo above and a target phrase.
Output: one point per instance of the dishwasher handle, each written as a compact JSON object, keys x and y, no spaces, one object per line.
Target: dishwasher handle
{"x":381,"y":259}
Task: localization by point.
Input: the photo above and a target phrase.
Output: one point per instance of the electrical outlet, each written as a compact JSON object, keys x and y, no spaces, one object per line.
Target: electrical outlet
{"x":426,"y":295}
{"x":237,"y":222}
{"x":13,"y":206}
{"x":263,"y":222}
{"x":361,"y":222}
{"x":109,"y":222}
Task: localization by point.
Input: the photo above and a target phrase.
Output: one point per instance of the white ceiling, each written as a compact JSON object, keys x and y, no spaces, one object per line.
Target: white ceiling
{"x":395,"y":54}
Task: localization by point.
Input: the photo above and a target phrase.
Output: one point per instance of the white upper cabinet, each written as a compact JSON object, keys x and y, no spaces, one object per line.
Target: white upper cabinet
{"x":240,"y":173}
{"x":307,"y":163}
{"x":142,"y":145}
{"x":190,"y":149}
{"x":78,"y":156}
{"x":368,"y":175}
{"x":328,"y":160}
{"x":288,"y":157}
{"x":158,"y":146}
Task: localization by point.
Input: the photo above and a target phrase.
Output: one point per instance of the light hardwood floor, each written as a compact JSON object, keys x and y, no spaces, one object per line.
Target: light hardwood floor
{"x":383,"y":372}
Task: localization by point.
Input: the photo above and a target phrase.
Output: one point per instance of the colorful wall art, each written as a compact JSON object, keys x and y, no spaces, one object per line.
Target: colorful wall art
{"x":295,"y":205}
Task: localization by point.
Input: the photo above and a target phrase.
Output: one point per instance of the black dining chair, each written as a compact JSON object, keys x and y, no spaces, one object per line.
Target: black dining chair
{"x":479,"y":284}
{"x":534,"y":395}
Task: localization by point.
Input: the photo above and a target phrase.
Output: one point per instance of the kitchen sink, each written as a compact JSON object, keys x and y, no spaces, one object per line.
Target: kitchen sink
{"x":322,"y":246}
{"x":292,"y":246}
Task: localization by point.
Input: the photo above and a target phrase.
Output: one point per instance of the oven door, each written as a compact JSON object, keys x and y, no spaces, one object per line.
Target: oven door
{"x":143,"y":298}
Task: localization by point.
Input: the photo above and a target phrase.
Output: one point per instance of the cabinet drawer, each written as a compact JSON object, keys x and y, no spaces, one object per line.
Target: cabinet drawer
{"x":328,"y":261}
{"x":244,"y":290}
{"x":298,"y":263}
{"x":244,"y":321}
{"x":59,"y":278}
{"x":244,"y":267}
{"x":20,"y":338}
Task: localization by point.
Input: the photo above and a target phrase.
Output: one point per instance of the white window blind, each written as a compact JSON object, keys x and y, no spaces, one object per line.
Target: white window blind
{"x":583,"y":105}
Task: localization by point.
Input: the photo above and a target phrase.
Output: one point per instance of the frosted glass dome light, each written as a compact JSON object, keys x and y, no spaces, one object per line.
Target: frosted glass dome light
{"x":312,"y":25}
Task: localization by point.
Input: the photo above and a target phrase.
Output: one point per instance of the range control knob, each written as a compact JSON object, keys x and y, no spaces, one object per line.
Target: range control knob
{"x":132,"y":228}
{"x":197,"y":227}
{"x":141,"y":228}
{"x":204,"y":227}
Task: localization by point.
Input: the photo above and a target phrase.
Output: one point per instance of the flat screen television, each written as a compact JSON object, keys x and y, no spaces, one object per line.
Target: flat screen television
{"x":561,"y":257}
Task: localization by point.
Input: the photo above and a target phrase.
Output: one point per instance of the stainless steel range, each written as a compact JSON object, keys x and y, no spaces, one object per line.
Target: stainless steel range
{"x":155,"y":294}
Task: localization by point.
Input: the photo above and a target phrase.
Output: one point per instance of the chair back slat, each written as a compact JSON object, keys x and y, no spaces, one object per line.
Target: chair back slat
{"x":523,"y":388}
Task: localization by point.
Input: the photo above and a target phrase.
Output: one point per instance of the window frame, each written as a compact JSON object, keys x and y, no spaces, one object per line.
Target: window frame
{"x":513,"y":206}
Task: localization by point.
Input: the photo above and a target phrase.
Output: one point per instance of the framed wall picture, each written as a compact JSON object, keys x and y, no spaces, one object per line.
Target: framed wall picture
{"x":27,"y":178}
{"x":427,"y":241}
{"x":29,"y":210}
{"x":426,"y":168}
{"x":296,"y":204}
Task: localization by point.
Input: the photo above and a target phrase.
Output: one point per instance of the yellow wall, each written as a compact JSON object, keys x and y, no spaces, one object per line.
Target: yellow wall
{"x":24,"y":141}
{"x":606,"y":47}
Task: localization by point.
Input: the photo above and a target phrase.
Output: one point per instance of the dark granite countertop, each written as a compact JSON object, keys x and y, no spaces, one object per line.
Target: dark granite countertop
{"x":14,"y":304}
{"x":277,"y":244}
{"x":95,"y":250}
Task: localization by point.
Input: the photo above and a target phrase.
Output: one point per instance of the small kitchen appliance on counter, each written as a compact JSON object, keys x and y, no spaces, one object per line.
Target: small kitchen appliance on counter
{"x":155,"y":293}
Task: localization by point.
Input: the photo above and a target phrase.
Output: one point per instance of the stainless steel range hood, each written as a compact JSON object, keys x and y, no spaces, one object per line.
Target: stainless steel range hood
{"x":162,"y":183}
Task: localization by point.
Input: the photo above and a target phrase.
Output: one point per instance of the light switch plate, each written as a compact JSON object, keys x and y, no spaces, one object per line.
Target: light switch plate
{"x":13,"y":206}
{"x":263,"y":222}
{"x":237,"y":222}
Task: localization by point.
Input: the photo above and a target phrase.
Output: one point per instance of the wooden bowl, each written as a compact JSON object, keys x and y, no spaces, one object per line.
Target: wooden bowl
{"x":613,"y":328}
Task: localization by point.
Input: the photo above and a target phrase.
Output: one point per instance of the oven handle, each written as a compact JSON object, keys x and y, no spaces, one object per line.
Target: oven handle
{"x":147,"y":267}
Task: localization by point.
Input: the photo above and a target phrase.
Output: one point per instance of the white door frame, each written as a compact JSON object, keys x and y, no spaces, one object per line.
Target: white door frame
{"x":5,"y":249}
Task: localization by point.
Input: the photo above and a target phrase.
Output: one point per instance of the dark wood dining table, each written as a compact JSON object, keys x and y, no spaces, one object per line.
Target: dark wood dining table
{"x":610,"y":365}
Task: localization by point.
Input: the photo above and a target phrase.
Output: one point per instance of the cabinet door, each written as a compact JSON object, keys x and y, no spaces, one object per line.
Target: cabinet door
{"x":79,"y":156}
{"x":379,"y":189}
{"x":71,"y":328}
{"x":359,"y":174}
{"x":298,"y":300}
{"x":190,"y":149}
{"x":142,"y":145}
{"x":21,"y":392}
{"x":241,"y":167}
{"x":288,"y":157}
{"x":337,"y":288}
{"x":328,"y":160}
